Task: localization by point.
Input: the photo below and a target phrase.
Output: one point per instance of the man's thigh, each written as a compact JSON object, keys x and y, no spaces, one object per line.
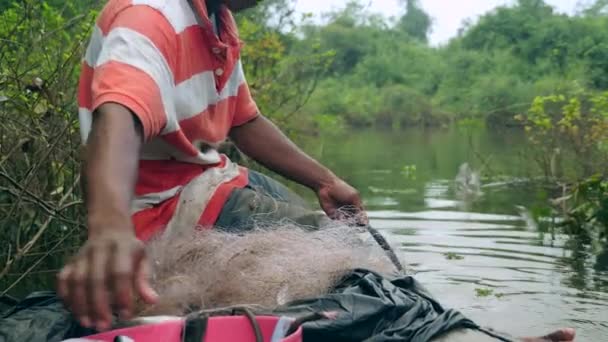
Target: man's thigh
{"x":266,"y":202}
{"x":270,"y":187}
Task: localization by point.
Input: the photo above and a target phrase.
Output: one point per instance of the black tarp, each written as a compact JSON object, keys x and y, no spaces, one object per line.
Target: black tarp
{"x":372,"y":308}
{"x":369,"y":308}
{"x":39,"y":317}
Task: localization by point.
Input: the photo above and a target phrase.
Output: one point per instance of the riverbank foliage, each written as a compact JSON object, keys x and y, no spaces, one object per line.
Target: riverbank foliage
{"x":357,"y":68}
{"x":40,"y":207}
{"x":386,"y":73}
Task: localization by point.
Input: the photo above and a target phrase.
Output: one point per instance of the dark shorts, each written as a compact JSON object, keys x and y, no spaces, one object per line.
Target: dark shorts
{"x":265,"y":202}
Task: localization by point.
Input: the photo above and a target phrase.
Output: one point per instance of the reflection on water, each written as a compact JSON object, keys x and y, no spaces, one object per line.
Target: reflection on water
{"x":458,"y":246}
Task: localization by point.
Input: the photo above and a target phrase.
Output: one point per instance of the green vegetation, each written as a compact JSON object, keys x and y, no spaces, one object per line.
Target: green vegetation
{"x":40,"y":208}
{"x":485,"y":292}
{"x":361,"y":69}
{"x":574,"y":124}
{"x":587,"y":215}
{"x":385,"y":73}
{"x":409,"y":172}
{"x":453,"y":256}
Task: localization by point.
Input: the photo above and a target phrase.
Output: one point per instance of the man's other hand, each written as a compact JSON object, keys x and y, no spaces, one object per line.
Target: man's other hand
{"x":105,"y":275}
{"x":341,"y":201}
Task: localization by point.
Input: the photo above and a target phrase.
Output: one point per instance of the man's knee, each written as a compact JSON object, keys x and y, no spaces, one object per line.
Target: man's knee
{"x":248,"y":208}
{"x":275,"y":189}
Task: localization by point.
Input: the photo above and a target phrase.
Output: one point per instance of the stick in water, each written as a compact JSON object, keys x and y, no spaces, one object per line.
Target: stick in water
{"x":386,"y":247}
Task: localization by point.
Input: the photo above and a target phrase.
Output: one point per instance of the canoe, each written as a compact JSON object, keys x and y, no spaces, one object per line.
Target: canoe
{"x":212,"y":329}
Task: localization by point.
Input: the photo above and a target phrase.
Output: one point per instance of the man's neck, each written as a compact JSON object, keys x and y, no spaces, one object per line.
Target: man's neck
{"x":213,"y":6}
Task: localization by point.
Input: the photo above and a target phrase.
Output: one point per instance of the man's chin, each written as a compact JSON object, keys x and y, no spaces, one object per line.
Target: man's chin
{"x":240,"y":5}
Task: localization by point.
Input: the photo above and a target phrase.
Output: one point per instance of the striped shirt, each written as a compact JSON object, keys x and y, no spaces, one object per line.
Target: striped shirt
{"x":184,"y":83}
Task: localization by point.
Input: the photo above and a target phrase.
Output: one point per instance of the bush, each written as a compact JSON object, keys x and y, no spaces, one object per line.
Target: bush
{"x":575,"y":123}
{"x":40,"y":209}
{"x":588,"y":213}
{"x":401,"y":105}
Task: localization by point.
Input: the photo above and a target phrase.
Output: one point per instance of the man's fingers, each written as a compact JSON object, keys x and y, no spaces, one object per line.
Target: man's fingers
{"x":142,"y":284}
{"x":121,"y":280}
{"x":99,"y":311}
{"x":63,"y":285}
{"x":362,"y":219}
{"x":77,"y":297}
{"x":357,"y":202}
{"x":359,"y":212}
{"x":326,"y":203}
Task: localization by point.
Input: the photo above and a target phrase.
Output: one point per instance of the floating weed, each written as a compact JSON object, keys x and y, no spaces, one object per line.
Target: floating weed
{"x":483,"y":292}
{"x":453,"y":256}
{"x":409,"y":172}
{"x":488,"y":292}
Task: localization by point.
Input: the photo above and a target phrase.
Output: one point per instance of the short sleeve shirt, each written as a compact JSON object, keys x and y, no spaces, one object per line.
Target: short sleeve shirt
{"x":183,"y":81}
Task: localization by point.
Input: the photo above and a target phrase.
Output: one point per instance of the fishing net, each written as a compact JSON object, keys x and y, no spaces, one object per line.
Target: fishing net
{"x":268,"y":266}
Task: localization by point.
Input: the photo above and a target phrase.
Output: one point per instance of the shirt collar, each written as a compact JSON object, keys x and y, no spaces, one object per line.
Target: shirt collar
{"x":229,"y":33}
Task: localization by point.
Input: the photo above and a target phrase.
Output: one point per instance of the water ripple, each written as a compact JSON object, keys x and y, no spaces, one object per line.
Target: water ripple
{"x":530,"y":275}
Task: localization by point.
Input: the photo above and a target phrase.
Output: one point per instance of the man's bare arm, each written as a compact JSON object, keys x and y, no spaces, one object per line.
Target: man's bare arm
{"x":111,"y":263}
{"x":263,"y":141}
{"x":111,"y":164}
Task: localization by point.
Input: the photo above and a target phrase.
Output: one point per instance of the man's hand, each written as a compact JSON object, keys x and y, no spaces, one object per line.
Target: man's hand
{"x":341,"y":201}
{"x":107,"y":273}
{"x":111,"y":268}
{"x":263,"y":141}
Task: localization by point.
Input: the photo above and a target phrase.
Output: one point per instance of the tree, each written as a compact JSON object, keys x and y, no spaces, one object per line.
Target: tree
{"x":415,"y":22}
{"x":351,"y":33}
{"x":598,"y":8}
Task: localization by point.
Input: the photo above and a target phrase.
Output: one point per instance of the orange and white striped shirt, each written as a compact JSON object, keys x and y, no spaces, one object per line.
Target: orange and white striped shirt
{"x":187,"y":87}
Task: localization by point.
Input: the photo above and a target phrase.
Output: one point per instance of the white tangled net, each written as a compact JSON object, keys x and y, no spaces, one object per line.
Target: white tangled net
{"x":267,"y":266}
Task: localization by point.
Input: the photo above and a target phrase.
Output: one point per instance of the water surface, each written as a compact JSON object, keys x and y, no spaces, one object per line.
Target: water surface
{"x":481,"y":254}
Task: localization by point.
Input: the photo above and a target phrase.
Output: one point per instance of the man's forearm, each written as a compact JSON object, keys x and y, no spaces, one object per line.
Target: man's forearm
{"x":261,"y":140}
{"x":110,"y":168}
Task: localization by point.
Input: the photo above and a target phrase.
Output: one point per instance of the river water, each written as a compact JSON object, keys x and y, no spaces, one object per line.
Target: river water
{"x":479,"y":250}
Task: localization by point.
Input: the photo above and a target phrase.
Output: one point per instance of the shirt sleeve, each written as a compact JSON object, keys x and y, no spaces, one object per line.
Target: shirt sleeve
{"x":246,"y":108}
{"x":134,"y":66}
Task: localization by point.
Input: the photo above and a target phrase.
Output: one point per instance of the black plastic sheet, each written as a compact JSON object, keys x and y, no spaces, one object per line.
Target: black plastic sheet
{"x":39,"y":317}
{"x":372,"y":308}
{"x":367,"y":307}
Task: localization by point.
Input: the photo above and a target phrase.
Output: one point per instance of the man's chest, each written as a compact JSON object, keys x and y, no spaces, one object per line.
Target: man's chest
{"x":207,"y":74}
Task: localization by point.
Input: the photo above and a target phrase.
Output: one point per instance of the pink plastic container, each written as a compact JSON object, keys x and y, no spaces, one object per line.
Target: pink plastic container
{"x":219,"y":329}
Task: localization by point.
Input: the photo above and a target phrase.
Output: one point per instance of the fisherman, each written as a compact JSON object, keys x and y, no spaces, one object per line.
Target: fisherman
{"x":161,"y":87}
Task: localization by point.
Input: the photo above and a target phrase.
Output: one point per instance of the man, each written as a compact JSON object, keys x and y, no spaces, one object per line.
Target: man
{"x":161,"y":87}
